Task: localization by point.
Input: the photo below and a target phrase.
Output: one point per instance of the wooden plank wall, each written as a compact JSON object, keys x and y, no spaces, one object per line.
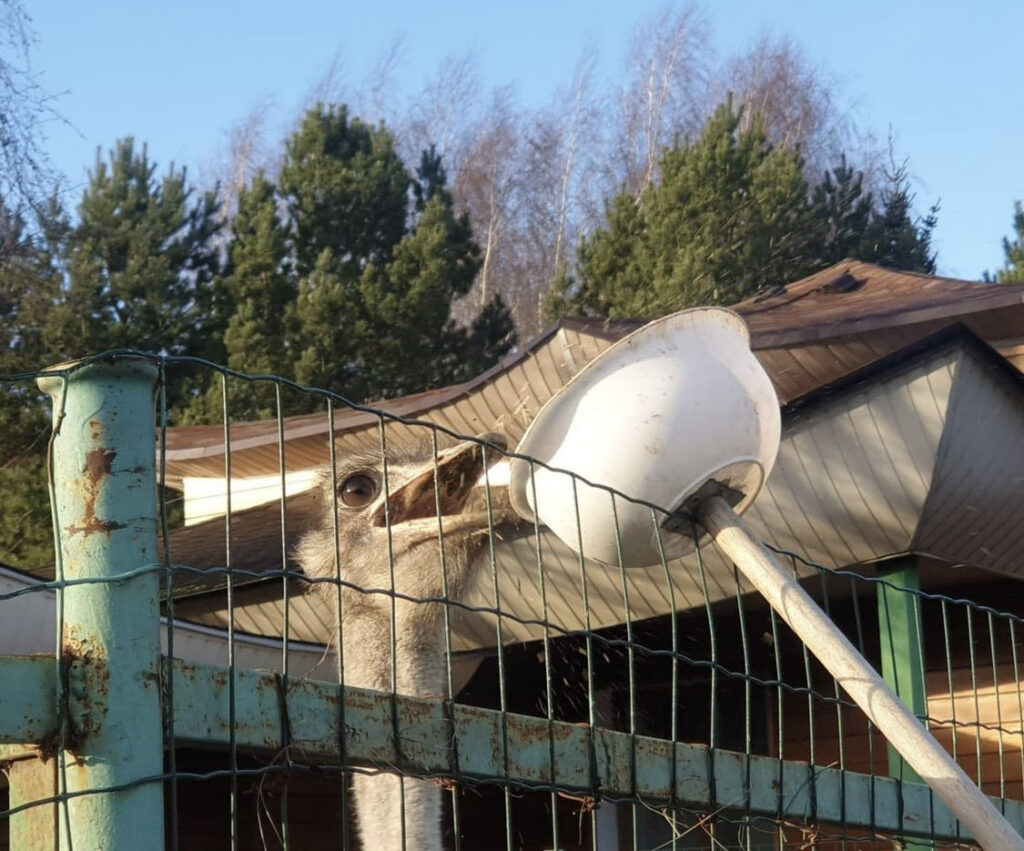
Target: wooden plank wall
{"x":982,"y":726}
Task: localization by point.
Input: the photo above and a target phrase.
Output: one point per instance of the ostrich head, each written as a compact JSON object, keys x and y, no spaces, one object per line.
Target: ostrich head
{"x":418,"y":525}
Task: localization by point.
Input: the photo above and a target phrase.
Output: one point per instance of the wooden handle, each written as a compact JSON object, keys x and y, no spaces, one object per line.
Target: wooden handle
{"x":861,"y":681}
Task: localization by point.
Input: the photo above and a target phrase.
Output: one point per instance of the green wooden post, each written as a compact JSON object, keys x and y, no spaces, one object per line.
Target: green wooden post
{"x":899,"y":625}
{"x":109,"y":655}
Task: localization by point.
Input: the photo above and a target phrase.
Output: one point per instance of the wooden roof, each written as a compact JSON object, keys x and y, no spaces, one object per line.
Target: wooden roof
{"x":854,"y":297}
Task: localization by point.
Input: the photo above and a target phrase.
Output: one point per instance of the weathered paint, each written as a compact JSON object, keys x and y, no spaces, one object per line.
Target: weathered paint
{"x":899,"y":634}
{"x":109,"y":655}
{"x":431,"y":736}
{"x":32,"y":780}
{"x":28,"y":701}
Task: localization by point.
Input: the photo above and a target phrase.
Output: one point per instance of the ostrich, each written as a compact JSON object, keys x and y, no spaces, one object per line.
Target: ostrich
{"x":399,"y":518}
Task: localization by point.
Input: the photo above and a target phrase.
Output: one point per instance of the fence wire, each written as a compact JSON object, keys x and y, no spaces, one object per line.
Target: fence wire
{"x":502,"y":617}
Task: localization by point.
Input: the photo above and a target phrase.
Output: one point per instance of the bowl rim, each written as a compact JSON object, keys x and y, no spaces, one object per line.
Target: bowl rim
{"x":519,"y":467}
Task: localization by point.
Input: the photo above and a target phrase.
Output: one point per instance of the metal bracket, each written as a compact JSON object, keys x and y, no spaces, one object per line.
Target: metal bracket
{"x":683,"y":520}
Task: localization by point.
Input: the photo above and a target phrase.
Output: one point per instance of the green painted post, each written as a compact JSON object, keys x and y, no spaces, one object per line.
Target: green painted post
{"x":105,"y":517}
{"x":899,"y":626}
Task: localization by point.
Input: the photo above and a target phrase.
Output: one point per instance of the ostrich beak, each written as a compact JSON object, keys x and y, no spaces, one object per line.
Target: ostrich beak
{"x":442,"y":488}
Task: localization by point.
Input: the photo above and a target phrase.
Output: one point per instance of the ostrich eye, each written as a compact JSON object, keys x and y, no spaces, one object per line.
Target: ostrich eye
{"x":357,"y":491}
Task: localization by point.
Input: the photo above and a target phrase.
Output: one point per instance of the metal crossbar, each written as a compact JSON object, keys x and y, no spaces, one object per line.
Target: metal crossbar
{"x":699,"y":726}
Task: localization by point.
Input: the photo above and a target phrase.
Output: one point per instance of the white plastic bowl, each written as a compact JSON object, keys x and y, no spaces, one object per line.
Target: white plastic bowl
{"x":673,"y":405}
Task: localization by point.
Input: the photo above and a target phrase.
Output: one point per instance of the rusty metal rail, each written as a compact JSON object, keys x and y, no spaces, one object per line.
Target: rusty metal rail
{"x":303,"y":716}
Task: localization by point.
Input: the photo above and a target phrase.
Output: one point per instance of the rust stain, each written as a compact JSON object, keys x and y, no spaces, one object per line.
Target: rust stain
{"x":98,"y":466}
{"x":85,"y":673}
{"x":98,"y":463}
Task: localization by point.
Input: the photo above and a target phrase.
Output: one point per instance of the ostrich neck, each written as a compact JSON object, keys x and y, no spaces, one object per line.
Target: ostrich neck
{"x":396,"y":815}
{"x":418,"y":651}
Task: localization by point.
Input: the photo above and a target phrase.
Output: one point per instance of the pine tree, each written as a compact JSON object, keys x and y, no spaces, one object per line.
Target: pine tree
{"x":26,"y":293}
{"x":615,"y":266}
{"x":408,"y":301}
{"x":141,"y":265}
{"x":347,"y":195}
{"x":380,"y":257}
{"x":491,"y":336}
{"x":346,"y":190}
{"x":329,"y":320}
{"x":895,"y":237}
{"x":260,"y":285}
{"x":840,"y":213}
{"x":1013,"y":250}
{"x":728,"y":216}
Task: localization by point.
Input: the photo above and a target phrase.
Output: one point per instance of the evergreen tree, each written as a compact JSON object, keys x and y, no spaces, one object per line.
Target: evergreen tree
{"x":408,"y":304}
{"x":26,"y":293}
{"x":260,"y":284}
{"x":380,"y":257}
{"x":329,"y":321}
{"x":432,"y":180}
{"x":895,"y":237}
{"x":729,"y":215}
{"x":140,"y":264}
{"x":840,"y":213}
{"x":614,"y":264}
{"x":491,"y":336}
{"x":1013,"y":250}
{"x":346,"y":190}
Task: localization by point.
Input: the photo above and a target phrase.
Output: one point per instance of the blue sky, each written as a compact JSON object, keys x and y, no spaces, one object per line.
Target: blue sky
{"x":946,"y":77}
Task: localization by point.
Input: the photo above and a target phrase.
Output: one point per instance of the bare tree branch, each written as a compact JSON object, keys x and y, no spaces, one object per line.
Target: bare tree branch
{"x":796,"y":102}
{"x":444,"y":111}
{"x":26,"y":175}
{"x":665,"y":92}
{"x":375,"y":96}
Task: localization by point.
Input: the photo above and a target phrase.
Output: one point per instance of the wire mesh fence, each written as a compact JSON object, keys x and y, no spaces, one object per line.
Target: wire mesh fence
{"x":329,"y":629}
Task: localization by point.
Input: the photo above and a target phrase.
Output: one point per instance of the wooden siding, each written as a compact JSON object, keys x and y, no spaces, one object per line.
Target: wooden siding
{"x":975,"y":512}
{"x":986,"y":722}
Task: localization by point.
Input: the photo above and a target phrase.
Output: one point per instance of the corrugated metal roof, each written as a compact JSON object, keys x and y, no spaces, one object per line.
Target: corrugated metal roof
{"x":868,"y":468}
{"x":810,"y":333}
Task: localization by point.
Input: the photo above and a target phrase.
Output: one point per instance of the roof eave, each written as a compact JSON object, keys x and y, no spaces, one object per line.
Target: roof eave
{"x":876,"y":322}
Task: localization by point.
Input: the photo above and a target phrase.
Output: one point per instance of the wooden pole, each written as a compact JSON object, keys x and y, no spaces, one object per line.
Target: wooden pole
{"x":862,"y":682}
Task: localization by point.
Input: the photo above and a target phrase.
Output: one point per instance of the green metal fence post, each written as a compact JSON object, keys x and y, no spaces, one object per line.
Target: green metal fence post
{"x":899,"y":628}
{"x":899,"y":631}
{"x":104,"y":493}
